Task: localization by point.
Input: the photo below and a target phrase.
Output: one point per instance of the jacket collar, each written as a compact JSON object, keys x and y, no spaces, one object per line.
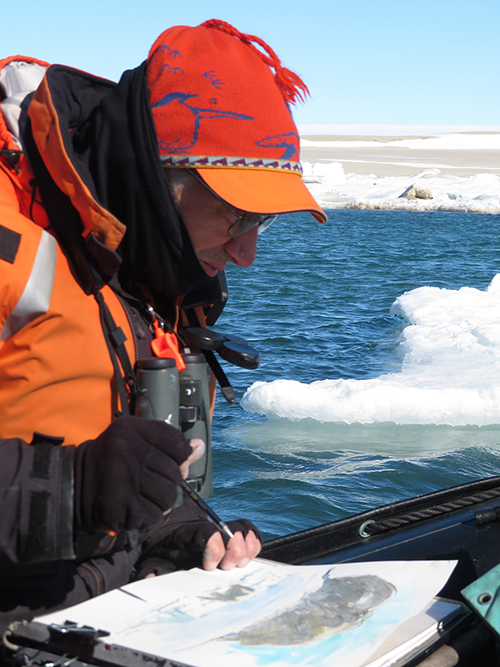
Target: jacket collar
{"x":96,"y":141}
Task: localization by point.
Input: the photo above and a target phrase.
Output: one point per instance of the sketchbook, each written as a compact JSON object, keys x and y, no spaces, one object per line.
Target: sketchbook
{"x":345,"y":615}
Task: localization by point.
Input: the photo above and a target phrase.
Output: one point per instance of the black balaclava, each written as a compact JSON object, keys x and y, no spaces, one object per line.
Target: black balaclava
{"x":118,"y":142}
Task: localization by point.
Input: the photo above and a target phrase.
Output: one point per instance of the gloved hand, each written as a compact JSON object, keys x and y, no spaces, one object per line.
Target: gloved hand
{"x":128,"y":476}
{"x":201,"y":544}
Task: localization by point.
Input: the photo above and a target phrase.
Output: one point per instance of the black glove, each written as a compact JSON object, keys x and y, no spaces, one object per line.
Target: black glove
{"x":183,"y":548}
{"x":128,"y":476}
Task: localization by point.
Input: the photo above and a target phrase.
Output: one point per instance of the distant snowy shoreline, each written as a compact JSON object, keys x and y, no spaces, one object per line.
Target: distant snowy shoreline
{"x":387,"y":130}
{"x":451,"y":141}
{"x":334,"y":189}
{"x":460,"y":168}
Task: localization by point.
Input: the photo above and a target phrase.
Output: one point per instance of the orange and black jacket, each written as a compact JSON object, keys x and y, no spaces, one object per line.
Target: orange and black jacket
{"x":85,"y":217}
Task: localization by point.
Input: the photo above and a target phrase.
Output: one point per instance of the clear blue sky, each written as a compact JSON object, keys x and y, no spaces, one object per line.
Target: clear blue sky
{"x":365,"y":61}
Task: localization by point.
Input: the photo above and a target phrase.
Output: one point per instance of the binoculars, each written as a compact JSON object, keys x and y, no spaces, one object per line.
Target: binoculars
{"x":182,"y":399}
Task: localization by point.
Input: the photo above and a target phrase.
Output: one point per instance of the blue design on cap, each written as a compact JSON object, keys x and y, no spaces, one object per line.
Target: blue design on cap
{"x":287,"y":141}
{"x":199,"y":114}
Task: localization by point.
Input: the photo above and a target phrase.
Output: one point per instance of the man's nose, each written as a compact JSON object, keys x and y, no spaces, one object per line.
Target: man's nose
{"x":242,"y":250}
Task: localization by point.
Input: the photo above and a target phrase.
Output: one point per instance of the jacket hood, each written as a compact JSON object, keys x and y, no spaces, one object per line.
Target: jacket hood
{"x":94,"y":151}
{"x":19,"y":76}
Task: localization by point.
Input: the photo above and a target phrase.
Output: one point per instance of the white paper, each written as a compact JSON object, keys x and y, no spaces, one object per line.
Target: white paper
{"x":266,"y":613}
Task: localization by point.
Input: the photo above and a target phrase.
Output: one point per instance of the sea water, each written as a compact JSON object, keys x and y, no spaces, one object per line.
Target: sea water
{"x":379,"y":378}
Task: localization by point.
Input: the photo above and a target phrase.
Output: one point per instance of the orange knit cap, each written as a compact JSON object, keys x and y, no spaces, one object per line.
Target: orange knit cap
{"x":221,"y":106}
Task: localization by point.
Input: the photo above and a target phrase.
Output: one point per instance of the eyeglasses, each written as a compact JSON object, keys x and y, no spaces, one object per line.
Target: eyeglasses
{"x":244,"y":222}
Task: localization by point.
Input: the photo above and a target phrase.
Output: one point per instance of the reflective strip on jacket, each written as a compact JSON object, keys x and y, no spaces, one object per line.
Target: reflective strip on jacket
{"x":53,"y":355}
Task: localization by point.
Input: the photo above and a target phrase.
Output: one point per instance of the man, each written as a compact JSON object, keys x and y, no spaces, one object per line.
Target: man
{"x":116,"y":201}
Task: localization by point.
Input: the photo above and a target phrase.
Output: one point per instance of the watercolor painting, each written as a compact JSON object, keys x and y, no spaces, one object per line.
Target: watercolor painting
{"x":266,"y":613}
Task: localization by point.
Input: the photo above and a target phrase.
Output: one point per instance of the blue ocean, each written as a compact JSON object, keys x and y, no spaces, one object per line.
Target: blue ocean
{"x":379,"y":378}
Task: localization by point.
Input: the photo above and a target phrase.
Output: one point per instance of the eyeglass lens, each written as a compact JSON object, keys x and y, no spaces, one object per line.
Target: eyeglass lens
{"x":248,"y":221}
{"x":243,"y":223}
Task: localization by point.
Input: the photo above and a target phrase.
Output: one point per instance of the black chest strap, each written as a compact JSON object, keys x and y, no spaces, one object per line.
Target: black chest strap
{"x":115,"y":341}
